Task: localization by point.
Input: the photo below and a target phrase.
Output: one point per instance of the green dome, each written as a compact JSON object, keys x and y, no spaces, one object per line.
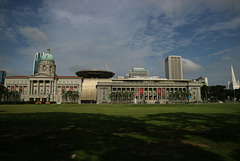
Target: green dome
{"x":48,"y":56}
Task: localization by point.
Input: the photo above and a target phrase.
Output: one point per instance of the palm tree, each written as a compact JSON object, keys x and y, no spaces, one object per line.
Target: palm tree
{"x":75,"y":96}
{"x":3,"y":93}
{"x":171,"y":96}
{"x":70,"y":96}
{"x":113,"y":96}
{"x":64,"y":96}
{"x":125,"y":95}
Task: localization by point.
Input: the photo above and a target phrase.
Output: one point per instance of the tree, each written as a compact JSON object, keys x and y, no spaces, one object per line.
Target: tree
{"x":237,"y":94}
{"x":9,"y":96}
{"x":178,"y":96}
{"x":217,"y":93}
{"x":64,"y":96}
{"x":3,"y":93}
{"x":122,"y":96}
{"x":205,"y":93}
{"x":113,"y":96}
{"x":70,"y":96}
{"x":75,"y":96}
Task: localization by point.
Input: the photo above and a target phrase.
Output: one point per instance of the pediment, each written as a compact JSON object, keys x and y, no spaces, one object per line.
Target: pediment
{"x":37,"y":75}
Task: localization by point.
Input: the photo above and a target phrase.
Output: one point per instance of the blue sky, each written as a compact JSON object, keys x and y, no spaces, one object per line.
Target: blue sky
{"x":87,"y":34}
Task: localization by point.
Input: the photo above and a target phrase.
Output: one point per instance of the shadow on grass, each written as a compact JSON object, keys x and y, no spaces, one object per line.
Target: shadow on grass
{"x":92,"y":137}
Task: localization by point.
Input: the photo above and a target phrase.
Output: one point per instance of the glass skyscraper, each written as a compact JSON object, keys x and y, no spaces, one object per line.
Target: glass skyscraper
{"x":36,"y":61}
{"x":2,"y":75}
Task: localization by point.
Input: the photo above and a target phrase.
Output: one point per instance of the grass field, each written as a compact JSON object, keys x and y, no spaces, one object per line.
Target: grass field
{"x":188,"y":132}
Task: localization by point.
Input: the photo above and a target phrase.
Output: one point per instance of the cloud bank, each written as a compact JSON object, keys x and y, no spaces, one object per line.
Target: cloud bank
{"x":124,"y":34}
{"x":190,"y":67}
{"x":34,"y":34}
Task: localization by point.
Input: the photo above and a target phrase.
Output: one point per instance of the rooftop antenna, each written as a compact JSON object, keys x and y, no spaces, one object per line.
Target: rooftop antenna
{"x":107,"y":67}
{"x":140,"y":65}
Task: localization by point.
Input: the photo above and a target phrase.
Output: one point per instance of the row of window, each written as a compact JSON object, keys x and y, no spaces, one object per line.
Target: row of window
{"x":16,"y":81}
{"x":67,"y":81}
{"x":63,"y":87}
{"x":149,"y":89}
{"x":25,"y":81}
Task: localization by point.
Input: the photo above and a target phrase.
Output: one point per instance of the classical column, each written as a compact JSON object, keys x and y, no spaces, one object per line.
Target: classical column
{"x":50,"y":87}
{"x":32,"y":85}
{"x":137,"y":89}
{"x":147,"y":93}
{"x":44,"y":87}
{"x":29,"y":87}
{"x":38,"y":87}
{"x":53,"y":91}
{"x":199,"y":94}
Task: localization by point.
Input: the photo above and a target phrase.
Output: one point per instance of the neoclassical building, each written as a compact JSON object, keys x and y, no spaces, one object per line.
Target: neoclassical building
{"x":98,"y":86}
{"x":150,"y":90}
{"x":44,"y":85}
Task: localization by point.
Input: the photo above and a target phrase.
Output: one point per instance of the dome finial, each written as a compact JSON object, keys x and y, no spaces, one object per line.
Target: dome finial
{"x":48,"y":50}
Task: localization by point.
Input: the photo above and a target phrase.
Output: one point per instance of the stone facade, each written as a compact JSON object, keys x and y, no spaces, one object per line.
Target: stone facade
{"x":44,"y":85}
{"x":149,"y":90}
{"x":39,"y":88}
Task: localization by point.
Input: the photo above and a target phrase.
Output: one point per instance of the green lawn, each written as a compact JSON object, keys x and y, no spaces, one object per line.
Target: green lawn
{"x":193,"y":132}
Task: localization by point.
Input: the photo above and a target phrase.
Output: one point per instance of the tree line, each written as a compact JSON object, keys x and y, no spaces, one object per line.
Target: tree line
{"x":128,"y":97}
{"x":122,"y":97}
{"x":70,"y":96}
{"x":8,"y":96}
{"x":179,"y":96}
{"x":219,"y":93}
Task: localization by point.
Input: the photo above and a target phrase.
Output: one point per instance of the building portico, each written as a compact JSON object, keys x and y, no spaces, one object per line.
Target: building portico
{"x":44,"y":85}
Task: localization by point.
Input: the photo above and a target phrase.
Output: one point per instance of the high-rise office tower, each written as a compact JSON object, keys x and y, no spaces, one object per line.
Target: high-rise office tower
{"x":138,"y":73}
{"x":173,"y":67}
{"x":233,"y":84}
{"x":2,"y":77}
{"x":36,"y":61}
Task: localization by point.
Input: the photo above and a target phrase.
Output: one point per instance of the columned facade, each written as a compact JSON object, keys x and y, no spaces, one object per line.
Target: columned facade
{"x":42,"y":89}
{"x":45,"y":85}
{"x":150,"y":91}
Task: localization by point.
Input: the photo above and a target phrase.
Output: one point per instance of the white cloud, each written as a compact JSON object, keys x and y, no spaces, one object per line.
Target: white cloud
{"x":190,"y":66}
{"x":33,"y":34}
{"x":123,"y":34}
{"x":225,"y":25}
{"x":227,"y":58}
{"x":120,"y":33}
